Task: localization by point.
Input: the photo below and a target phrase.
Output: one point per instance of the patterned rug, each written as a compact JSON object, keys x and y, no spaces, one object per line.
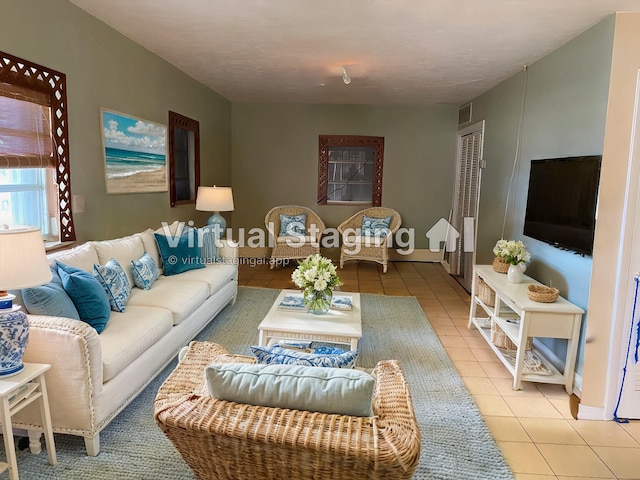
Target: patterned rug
{"x":456,"y":443}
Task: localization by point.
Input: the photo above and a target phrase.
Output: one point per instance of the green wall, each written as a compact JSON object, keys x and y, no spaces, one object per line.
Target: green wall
{"x":275,"y":159}
{"x":565,"y":106}
{"x":105,"y":69}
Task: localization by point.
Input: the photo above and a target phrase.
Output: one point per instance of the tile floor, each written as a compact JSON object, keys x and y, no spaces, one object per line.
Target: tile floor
{"x":533,"y":427}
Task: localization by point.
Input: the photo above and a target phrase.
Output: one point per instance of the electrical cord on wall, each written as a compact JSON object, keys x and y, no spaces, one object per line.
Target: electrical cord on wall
{"x":517,"y":153}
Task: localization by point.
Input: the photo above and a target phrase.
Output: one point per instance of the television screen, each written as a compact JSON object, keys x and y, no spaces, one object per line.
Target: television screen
{"x":561,"y":204}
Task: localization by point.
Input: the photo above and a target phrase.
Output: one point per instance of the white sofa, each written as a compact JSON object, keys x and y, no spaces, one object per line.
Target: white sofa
{"x":95,"y":376}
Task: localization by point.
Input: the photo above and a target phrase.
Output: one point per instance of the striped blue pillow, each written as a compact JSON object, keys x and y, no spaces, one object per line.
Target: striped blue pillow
{"x":207,"y":241}
{"x":144,"y":271}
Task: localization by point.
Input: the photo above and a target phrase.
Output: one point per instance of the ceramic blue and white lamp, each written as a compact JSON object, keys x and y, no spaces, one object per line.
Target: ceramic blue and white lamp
{"x":23,"y":264}
{"x":215,"y":199}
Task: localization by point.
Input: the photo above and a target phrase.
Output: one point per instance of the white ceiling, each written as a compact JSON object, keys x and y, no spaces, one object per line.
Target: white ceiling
{"x":405,"y":52}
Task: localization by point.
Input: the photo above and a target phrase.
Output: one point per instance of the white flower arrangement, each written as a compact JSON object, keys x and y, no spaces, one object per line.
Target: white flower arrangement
{"x":511,"y":251}
{"x":316,"y":276}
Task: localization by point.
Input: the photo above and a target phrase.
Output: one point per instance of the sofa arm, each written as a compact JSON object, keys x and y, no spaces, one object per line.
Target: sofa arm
{"x":228,"y":249}
{"x":73,"y":350}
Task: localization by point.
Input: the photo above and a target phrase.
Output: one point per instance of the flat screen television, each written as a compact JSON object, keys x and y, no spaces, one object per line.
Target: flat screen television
{"x":561,"y":203}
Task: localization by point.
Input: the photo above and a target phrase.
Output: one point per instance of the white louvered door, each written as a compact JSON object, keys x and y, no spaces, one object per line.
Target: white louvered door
{"x":465,"y":202}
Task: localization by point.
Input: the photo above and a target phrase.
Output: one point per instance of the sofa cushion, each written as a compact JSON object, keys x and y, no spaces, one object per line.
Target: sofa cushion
{"x":179,"y":253}
{"x":215,"y":276}
{"x":50,"y":299}
{"x":181,"y":297}
{"x":294,"y":225}
{"x":284,"y":356}
{"x":150,"y":245}
{"x":145,"y":271}
{"x":129,"y":334}
{"x":114,"y":282}
{"x":123,"y":250}
{"x":83,"y":257}
{"x":87,"y":295}
{"x":313,"y":389}
{"x":207,"y":241}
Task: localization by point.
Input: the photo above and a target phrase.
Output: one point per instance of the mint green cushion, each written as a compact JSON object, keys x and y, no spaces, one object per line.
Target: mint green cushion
{"x":297,"y":387}
{"x":50,"y":299}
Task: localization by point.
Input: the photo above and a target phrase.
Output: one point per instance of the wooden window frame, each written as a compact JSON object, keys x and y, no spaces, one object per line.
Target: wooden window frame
{"x":326,"y":141}
{"x":180,"y":121}
{"x":17,"y":71}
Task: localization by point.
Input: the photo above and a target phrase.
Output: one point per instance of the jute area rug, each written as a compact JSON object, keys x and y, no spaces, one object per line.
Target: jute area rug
{"x":456,"y":443}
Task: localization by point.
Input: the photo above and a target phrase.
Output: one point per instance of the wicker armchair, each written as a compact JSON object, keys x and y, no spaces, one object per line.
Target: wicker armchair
{"x":293,"y":248}
{"x":356,"y":247}
{"x":226,"y":440}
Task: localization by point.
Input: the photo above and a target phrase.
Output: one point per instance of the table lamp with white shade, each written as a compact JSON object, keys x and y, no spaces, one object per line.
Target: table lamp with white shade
{"x":215,"y":199}
{"x":23,"y":264}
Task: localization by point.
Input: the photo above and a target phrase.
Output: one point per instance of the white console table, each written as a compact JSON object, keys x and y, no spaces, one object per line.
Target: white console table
{"x":521,"y":318}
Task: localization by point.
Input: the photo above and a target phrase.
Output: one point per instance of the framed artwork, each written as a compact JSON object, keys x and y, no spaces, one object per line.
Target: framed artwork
{"x":135,"y":154}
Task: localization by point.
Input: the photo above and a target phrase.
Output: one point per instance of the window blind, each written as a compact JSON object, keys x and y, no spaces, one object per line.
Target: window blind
{"x":25,"y":128}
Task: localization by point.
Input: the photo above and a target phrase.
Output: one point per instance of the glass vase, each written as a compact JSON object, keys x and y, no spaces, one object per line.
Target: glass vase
{"x":319,"y":303}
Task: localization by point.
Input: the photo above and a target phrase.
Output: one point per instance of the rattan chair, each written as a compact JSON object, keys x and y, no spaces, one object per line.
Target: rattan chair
{"x":357,"y":247}
{"x":293,"y":248}
{"x":225,"y":440}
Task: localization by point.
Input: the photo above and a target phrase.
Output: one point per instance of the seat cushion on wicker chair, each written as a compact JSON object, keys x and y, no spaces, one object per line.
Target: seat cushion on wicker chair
{"x":294,"y":240}
{"x":296,"y":387}
{"x":275,"y":354}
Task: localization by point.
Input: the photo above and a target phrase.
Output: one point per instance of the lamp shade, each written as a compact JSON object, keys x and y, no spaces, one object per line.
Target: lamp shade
{"x":214,"y":199}
{"x":23,"y":260}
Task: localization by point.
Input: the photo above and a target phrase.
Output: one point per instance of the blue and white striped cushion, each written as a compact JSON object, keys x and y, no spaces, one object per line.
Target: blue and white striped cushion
{"x":144,"y":271}
{"x":114,"y":282}
{"x":208,"y":247}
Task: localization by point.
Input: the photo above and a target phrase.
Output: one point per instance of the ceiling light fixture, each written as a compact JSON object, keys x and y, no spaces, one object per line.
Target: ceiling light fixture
{"x":345,"y":78}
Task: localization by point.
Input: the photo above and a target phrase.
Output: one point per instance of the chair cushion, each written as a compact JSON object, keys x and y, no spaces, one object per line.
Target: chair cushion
{"x":50,"y":299}
{"x":114,"y":282}
{"x":294,"y":240}
{"x":296,"y":387}
{"x":275,"y":354}
{"x":87,"y":295}
{"x":375,"y":227}
{"x":293,"y":225}
{"x":144,"y":271}
{"x":179,"y":253}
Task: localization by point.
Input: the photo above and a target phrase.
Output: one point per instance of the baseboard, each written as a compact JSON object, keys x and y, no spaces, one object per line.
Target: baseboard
{"x":592,"y":413}
{"x":418,"y":255}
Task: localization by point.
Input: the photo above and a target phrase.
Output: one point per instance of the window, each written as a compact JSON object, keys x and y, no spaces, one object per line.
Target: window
{"x":184,"y":159}
{"x":35,"y":187}
{"x":350,"y":170}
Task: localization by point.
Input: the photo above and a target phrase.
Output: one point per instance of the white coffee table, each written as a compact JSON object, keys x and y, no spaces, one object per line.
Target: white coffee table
{"x":335,"y":326}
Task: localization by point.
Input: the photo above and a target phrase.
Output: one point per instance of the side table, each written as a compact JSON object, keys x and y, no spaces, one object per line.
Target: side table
{"x":16,"y":392}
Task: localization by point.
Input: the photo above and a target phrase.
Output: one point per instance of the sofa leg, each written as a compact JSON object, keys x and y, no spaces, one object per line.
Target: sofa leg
{"x":35,"y":447}
{"x":92,"y":445}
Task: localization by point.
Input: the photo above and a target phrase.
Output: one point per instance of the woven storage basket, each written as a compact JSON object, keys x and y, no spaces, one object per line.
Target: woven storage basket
{"x":500,"y":339}
{"x":485,"y":293}
{"x":500,"y":265}
{"x":542,"y":293}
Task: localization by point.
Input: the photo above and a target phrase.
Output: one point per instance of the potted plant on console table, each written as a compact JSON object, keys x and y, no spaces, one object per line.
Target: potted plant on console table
{"x":515,"y":255}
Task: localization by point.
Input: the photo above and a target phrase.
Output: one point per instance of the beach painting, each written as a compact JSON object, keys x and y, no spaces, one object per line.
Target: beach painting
{"x":135,"y":154}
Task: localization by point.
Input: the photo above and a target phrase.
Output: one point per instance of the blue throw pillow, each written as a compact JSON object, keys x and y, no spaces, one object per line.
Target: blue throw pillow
{"x":87,"y":295}
{"x":50,"y":299}
{"x":115,"y":283}
{"x":375,"y":227}
{"x":284,"y":356}
{"x":179,"y":253}
{"x":144,"y":271}
{"x":293,"y":225}
{"x":207,"y":241}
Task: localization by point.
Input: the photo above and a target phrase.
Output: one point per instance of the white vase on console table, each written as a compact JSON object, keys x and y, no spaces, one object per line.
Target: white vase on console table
{"x":515,"y":274}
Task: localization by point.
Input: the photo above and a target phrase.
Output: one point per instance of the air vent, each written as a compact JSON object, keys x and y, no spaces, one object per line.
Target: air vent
{"x":464,"y":114}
